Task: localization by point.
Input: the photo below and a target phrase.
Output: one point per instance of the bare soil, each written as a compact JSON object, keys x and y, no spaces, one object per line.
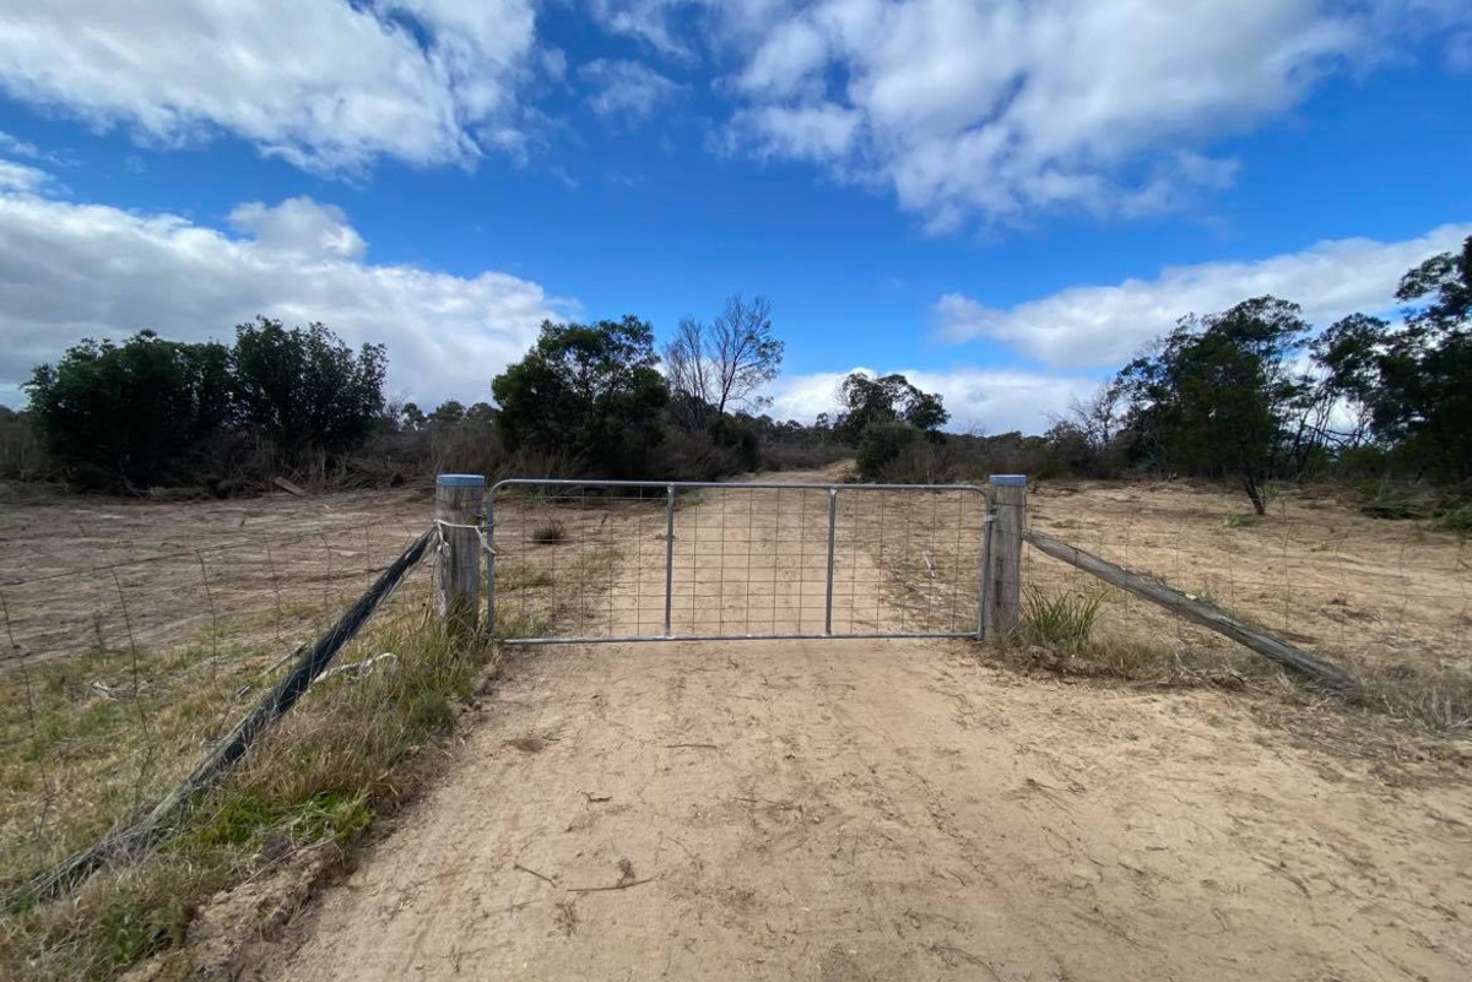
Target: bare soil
{"x":902,"y":809}
{"x":82,"y":573}
{"x":1370,"y":593}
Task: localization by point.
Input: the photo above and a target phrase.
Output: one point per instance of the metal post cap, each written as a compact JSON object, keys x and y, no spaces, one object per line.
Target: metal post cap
{"x":1009,"y":480}
{"x":460,"y":481}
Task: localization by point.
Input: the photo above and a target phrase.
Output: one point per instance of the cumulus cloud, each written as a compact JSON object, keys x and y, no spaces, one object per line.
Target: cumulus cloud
{"x":328,"y":85}
{"x":999,"y":109}
{"x":69,"y":271}
{"x":300,"y":227}
{"x":1007,"y":107}
{"x":625,"y":88}
{"x":1105,"y":325}
{"x":979,"y":399}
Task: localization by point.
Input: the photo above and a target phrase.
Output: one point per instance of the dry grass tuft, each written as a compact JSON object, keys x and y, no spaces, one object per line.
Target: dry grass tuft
{"x":553,"y":531}
{"x":1440,"y":702}
{"x":1059,"y":633}
{"x":319,"y":779}
{"x":1061,"y":621}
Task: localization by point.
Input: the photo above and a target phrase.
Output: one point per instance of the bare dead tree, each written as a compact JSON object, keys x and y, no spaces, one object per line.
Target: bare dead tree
{"x":1099,"y":417}
{"x":725,"y":364}
{"x":688,"y":372}
{"x":747,"y":356}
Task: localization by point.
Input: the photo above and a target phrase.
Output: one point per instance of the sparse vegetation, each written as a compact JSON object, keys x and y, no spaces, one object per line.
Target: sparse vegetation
{"x":1063,"y":621}
{"x":316,"y":782}
{"x":1441,"y":702}
{"x":549,"y":532}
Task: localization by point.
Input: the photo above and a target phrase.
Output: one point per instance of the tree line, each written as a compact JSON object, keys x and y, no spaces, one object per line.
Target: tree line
{"x":151,"y":411}
{"x":585,"y":400}
{"x":1252,"y":394}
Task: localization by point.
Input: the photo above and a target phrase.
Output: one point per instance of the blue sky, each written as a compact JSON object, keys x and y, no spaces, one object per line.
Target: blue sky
{"x":1002,"y":198}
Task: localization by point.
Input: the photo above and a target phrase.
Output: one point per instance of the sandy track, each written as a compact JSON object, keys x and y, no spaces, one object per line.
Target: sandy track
{"x":882,"y":810}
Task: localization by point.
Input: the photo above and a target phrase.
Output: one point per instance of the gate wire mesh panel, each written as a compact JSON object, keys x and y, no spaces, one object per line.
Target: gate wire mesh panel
{"x":595,"y":560}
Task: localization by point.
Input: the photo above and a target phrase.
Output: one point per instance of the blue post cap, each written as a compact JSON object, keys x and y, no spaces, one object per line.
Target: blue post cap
{"x":1010,"y":480}
{"x":460,"y":481}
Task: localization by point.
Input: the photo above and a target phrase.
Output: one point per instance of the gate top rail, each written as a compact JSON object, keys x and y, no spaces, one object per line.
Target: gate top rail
{"x":735,"y":485}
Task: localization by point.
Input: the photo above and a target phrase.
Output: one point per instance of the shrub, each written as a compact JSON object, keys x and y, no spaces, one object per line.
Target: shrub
{"x":881,"y":443}
{"x":1459,"y":518}
{"x":22,"y":457}
{"x":739,"y":438}
{"x":553,"y":531}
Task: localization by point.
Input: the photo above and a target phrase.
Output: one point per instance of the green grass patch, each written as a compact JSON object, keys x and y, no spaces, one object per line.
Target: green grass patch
{"x":1063,"y":621}
{"x":1458,"y":519}
{"x":76,"y":759}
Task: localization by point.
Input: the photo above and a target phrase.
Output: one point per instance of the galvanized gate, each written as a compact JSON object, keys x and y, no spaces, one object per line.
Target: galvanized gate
{"x":601,"y":561}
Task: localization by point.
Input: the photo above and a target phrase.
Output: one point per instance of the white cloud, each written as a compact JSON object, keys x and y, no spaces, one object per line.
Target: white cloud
{"x":818,"y":133}
{"x":644,"y":20}
{"x":1105,"y":325}
{"x":1000,"y":109}
{"x":300,"y":227}
{"x":69,"y":271}
{"x":20,"y":148}
{"x":626,"y":88}
{"x":20,"y":178}
{"x":326,"y":84}
{"x":979,"y":399}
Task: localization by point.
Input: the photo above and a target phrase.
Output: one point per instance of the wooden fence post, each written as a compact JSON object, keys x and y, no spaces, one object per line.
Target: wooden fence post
{"x":458,"y":500}
{"x":1004,"y":569}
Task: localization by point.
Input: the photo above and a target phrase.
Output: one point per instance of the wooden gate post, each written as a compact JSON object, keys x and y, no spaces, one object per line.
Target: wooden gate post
{"x":1004,"y":567}
{"x":458,"y":500}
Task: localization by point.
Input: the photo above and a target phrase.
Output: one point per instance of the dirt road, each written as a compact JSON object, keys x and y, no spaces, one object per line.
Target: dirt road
{"x":848,"y":810}
{"x":893,"y":810}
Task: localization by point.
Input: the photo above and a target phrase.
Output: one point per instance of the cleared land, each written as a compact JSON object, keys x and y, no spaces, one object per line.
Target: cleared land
{"x":830,"y":809}
{"x":1370,"y":593}
{"x":878,"y":810}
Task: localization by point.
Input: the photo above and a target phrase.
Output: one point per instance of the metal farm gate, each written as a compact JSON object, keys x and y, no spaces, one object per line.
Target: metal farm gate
{"x":602,"y":561}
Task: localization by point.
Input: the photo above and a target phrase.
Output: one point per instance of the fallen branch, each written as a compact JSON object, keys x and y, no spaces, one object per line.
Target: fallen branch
{"x":1259,"y":640}
{"x":311,"y":662}
{"x":540,"y":876}
{"x":621,"y":885}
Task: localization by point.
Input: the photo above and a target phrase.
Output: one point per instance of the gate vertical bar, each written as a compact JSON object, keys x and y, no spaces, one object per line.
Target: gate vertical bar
{"x":832,"y":526}
{"x":988,"y":516}
{"x":669,"y":555}
{"x":491,"y":563}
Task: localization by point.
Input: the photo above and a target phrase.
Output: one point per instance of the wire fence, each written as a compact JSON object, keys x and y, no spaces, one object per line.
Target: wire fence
{"x":116,"y":676}
{"x":1369,"y":593}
